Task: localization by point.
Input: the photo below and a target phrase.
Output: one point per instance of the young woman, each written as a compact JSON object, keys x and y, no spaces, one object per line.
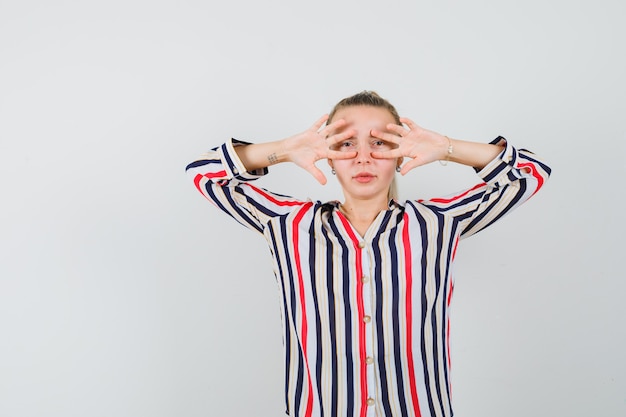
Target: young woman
{"x":366,"y":284}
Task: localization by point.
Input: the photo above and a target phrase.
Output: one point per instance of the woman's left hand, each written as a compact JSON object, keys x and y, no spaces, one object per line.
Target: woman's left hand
{"x":421,"y":145}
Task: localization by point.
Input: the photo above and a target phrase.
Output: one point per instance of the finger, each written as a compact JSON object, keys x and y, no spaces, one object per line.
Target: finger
{"x":316,"y":126}
{"x":317,"y":174}
{"x":334,"y":139}
{"x":413,"y":163}
{"x":329,"y":129}
{"x":386,"y":136}
{"x":391,"y":154}
{"x":340,"y":155}
{"x":397,"y":129}
{"x":410,"y":123}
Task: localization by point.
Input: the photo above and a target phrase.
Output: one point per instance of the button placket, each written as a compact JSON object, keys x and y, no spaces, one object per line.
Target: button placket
{"x":367,"y":318}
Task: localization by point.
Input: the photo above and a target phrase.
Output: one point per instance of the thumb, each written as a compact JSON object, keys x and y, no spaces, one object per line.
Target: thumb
{"x":319,"y":176}
{"x":413,"y":163}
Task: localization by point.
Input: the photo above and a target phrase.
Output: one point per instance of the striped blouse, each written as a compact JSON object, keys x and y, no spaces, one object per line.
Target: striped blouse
{"x":366,"y":318}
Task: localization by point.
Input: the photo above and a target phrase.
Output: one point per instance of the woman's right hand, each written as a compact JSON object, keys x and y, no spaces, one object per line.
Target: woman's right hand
{"x":315,"y":143}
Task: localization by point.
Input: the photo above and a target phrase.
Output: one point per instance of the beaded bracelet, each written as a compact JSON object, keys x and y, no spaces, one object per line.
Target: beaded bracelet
{"x":450,"y":150}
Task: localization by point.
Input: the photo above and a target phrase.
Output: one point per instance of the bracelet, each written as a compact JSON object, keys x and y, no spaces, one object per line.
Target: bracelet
{"x":450,"y":150}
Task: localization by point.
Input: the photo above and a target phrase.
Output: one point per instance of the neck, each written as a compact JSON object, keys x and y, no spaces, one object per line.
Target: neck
{"x":363,"y":210}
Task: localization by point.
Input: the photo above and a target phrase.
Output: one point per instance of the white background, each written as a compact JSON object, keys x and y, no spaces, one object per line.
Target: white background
{"x":124,"y":293}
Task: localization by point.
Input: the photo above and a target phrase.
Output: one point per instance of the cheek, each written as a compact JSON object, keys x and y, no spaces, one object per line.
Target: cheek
{"x":341,"y":164}
{"x":390,"y":169}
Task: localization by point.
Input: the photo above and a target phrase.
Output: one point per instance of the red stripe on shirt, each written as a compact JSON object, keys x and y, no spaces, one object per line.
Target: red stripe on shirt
{"x":456,"y":197}
{"x":196,"y":182}
{"x":449,"y":358}
{"x":449,"y":300}
{"x":274,"y":200}
{"x":361,"y":312}
{"x":303,"y":324}
{"x":220,"y":174}
{"x":533,"y":171}
{"x":409,"y":314}
{"x":450,"y":291}
{"x":199,"y":177}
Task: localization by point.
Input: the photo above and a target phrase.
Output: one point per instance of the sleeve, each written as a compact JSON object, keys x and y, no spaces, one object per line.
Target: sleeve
{"x":220,"y":176}
{"x":509,"y":180}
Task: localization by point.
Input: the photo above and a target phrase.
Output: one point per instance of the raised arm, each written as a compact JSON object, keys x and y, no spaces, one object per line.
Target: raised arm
{"x":510,"y":176}
{"x":223,"y":175}
{"x":423,"y":146}
{"x":303,"y":149}
{"x":509,"y":180}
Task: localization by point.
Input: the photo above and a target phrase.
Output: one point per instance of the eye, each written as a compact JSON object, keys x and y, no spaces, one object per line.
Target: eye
{"x":346,"y":144}
{"x":380,"y":144}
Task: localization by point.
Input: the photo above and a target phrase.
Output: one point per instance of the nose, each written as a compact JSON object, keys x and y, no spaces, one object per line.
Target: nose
{"x":364,"y":154}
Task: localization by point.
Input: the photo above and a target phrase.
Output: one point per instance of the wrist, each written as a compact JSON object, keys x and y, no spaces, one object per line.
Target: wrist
{"x":448,"y":151}
{"x":284,"y":150}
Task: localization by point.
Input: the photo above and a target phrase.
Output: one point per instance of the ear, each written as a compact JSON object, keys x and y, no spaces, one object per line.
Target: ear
{"x":330,"y":163}
{"x":400,"y":160}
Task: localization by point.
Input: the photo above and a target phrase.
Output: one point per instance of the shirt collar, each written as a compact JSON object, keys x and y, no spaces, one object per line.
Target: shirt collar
{"x":393,"y":204}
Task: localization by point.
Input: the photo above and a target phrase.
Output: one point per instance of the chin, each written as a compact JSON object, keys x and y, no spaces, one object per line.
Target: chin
{"x":367,"y":194}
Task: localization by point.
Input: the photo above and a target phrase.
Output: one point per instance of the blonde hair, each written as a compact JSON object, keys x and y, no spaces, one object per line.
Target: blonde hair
{"x":365,"y":98}
{"x":369,"y":98}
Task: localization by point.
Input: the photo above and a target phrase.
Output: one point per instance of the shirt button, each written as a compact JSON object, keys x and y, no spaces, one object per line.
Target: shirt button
{"x":370,"y":401}
{"x":369,"y":360}
{"x":367,"y":319}
{"x":365,"y":279}
{"x":361,"y":245}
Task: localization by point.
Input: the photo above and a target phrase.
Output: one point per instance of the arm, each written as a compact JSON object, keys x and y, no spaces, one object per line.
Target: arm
{"x":473,"y":154}
{"x":303,"y":149}
{"x":510,"y":176}
{"x":424,"y":146}
{"x":220,"y":176}
{"x":223,"y":174}
{"x":510,"y":179}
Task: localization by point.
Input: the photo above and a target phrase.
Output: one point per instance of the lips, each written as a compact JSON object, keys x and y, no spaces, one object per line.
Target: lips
{"x":364,"y":177}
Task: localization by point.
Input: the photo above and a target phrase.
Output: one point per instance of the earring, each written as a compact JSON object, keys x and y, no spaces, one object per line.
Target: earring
{"x":332,"y":171}
{"x":398,"y":168}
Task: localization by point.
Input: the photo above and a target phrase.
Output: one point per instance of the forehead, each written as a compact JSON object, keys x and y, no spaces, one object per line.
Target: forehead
{"x":366,"y":117}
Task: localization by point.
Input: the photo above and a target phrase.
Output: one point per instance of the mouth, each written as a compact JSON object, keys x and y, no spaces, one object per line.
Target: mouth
{"x":364,"y":177}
